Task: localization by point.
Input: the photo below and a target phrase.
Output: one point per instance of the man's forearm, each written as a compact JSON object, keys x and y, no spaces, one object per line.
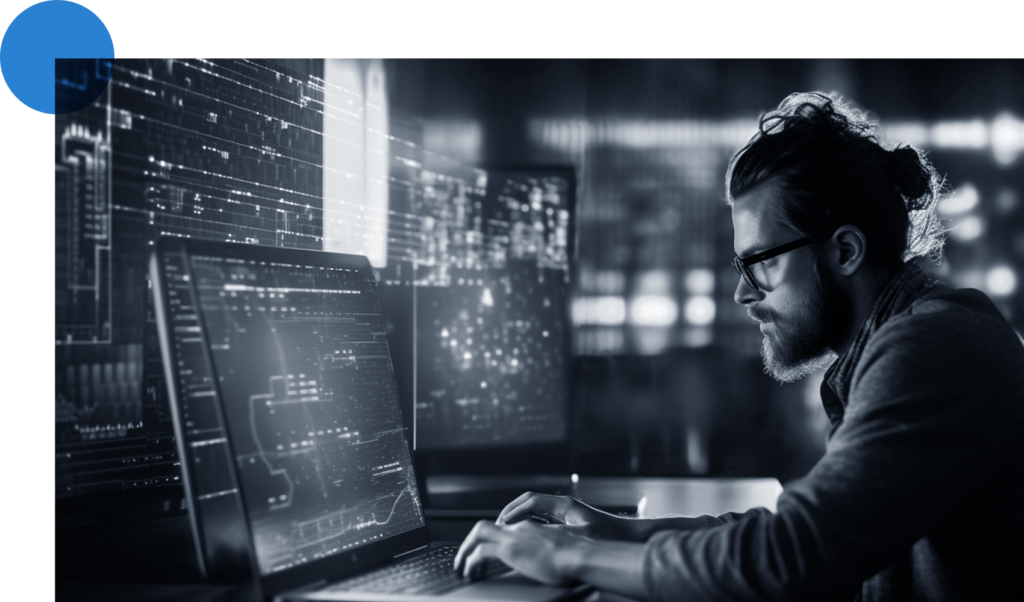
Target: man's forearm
{"x":608,"y":565}
{"x":641,"y":529}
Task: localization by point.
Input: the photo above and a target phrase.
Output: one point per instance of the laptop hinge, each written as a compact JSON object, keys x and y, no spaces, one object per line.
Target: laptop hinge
{"x":411,"y":551}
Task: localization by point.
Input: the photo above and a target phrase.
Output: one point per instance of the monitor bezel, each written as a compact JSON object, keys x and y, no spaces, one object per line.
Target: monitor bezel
{"x":220,"y":556}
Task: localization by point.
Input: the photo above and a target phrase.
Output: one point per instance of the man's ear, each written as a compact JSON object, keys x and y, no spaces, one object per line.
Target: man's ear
{"x":849,"y":247}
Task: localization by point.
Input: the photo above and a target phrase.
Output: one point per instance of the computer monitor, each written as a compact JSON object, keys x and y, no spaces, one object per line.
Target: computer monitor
{"x":282,"y":389}
{"x":479,"y":307}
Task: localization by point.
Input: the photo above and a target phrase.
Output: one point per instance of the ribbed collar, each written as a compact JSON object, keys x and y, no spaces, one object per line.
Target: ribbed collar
{"x":908,"y":285}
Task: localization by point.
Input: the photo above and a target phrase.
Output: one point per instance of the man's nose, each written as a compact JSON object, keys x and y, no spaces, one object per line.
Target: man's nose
{"x":745,"y":293}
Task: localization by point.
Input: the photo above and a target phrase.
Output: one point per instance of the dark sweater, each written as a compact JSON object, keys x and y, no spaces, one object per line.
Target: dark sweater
{"x":920,"y":491}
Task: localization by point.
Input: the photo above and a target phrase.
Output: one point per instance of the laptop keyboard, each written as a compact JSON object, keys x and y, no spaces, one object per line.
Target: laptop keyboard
{"x":428,"y":574}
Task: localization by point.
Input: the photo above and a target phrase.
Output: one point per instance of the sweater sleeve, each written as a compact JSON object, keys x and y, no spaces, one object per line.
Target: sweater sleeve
{"x":928,"y":411}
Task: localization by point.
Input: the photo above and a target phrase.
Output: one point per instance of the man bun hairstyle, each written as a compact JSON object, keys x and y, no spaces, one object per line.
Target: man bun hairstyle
{"x":832,"y":170}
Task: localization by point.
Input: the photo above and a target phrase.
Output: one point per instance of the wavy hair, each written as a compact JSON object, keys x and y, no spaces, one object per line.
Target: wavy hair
{"x":832,"y":170}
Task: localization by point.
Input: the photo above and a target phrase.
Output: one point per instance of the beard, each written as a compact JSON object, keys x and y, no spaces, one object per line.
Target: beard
{"x":808,"y":347}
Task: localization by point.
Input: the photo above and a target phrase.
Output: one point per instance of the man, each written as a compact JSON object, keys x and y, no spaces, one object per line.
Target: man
{"x":918,"y":495}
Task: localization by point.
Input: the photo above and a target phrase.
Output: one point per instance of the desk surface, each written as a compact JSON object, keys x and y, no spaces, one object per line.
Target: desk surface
{"x":483,"y":497}
{"x":156,"y":562}
{"x":690,"y":496}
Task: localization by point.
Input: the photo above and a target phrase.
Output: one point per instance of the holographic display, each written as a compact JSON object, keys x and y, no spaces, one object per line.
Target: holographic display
{"x":222,"y":149}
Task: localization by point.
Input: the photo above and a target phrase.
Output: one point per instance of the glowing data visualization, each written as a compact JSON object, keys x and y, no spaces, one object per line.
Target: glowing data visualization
{"x":488,"y":253}
{"x":309,"y":394}
{"x":220,"y":149}
{"x":473,"y":263}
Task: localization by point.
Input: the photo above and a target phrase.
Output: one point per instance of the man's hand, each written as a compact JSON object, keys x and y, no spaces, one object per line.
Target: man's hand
{"x":547,"y":554}
{"x":587,"y":521}
{"x":556,"y":555}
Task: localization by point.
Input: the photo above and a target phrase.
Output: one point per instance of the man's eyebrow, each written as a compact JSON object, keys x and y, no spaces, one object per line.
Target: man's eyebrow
{"x":753,"y":249}
{"x":756,"y":249}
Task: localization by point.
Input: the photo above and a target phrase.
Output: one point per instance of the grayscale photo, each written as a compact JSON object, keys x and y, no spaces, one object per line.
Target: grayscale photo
{"x":538,"y":329}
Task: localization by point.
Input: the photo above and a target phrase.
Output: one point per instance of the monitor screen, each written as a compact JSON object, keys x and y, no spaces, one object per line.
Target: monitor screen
{"x":308,"y":392}
{"x":477,"y":291}
{"x":493,"y":343}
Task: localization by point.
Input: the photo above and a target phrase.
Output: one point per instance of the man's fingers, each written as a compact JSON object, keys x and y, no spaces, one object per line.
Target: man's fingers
{"x":537,"y":504}
{"x":525,"y":525}
{"x":511,"y":506}
{"x":483,"y":532}
{"x":476,"y":560}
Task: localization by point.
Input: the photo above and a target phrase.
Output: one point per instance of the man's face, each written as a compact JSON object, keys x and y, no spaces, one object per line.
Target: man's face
{"x":800,"y":307}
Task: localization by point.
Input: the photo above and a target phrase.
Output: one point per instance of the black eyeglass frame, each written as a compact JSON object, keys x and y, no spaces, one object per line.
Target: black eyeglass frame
{"x":742,"y":265}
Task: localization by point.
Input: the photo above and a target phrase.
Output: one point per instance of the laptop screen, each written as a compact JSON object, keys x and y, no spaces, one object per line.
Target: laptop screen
{"x":309,"y":397}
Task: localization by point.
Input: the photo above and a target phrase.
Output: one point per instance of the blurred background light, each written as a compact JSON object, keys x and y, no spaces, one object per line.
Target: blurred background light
{"x":960,"y":201}
{"x":907,"y":132}
{"x":700,"y":281}
{"x":606,"y":310}
{"x":462,"y":139}
{"x":967,"y":229}
{"x":960,"y":134}
{"x":654,"y":281}
{"x":699,"y":310}
{"x":653,"y":310}
{"x":610,"y":282}
{"x":1001,"y":281}
{"x":970,"y":278}
{"x":697,"y":336}
{"x":1004,"y":134}
{"x":1007,"y":200}
{"x":570,"y":135}
{"x":1007,"y":138}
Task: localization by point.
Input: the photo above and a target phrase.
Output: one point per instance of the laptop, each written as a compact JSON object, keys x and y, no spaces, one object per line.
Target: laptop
{"x":294,"y":456}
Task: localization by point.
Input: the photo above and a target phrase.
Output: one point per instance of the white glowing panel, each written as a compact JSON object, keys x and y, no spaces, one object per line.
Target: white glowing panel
{"x":355,"y":159}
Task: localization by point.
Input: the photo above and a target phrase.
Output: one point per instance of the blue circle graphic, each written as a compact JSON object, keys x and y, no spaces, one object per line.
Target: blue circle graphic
{"x":44,"y":33}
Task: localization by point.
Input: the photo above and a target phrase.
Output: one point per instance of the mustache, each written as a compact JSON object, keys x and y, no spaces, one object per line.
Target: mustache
{"x":759,"y":314}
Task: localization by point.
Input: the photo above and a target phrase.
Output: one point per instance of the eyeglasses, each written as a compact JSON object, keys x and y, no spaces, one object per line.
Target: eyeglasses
{"x":743,"y":265}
